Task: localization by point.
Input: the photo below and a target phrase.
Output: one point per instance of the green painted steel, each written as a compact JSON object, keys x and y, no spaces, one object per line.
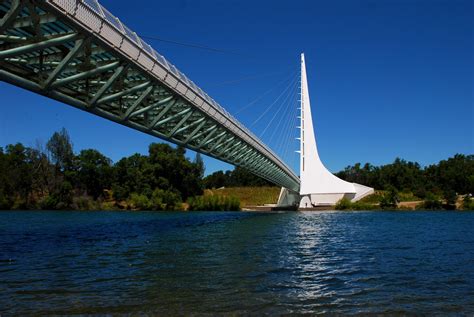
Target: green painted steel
{"x":78,"y":53}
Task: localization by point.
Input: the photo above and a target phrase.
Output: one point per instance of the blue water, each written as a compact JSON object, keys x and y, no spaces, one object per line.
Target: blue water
{"x":238,"y":263}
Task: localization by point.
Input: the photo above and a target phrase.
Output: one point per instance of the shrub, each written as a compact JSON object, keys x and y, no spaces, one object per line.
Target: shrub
{"x":346,"y":204}
{"x":431,"y":202}
{"x":5,"y":203}
{"x":119,"y":192}
{"x":390,"y":199}
{"x":139,"y":201}
{"x":363,"y":206}
{"x":374,"y":198}
{"x":450,"y":197}
{"x":468,"y":203}
{"x":343,"y":204}
{"x":85,"y":203}
{"x":49,"y":202}
{"x":165,"y":200}
{"x":213,"y":203}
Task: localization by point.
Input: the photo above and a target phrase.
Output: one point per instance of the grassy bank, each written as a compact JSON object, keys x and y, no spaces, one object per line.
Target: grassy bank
{"x":248,"y":196}
{"x":407,"y":201}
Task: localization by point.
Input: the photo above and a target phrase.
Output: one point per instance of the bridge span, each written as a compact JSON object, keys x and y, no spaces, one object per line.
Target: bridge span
{"x":77,"y":52}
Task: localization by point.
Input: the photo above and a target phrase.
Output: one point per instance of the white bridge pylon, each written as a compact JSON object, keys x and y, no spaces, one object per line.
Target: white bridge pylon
{"x":319,"y":187}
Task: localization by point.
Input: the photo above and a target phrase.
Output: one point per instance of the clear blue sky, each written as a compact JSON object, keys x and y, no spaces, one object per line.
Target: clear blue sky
{"x":387,"y":78}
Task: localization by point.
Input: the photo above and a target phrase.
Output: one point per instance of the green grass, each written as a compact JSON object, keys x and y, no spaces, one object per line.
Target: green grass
{"x":249,"y":196}
{"x":257,"y":196}
{"x":375,"y":198}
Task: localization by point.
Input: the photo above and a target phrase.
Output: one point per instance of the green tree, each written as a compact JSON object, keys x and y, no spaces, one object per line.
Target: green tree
{"x":94,"y":172}
{"x":450,"y":197}
{"x":236,"y":178}
{"x":132,"y":174}
{"x":390,"y":199}
{"x":199,"y":165}
{"x":171,"y":164}
{"x":60,"y":149}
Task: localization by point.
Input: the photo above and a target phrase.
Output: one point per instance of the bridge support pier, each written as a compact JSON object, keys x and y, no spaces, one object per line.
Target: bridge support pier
{"x":288,"y":199}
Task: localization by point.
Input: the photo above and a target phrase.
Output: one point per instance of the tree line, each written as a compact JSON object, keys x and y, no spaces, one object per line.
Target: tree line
{"x":454,"y":176}
{"x":239,"y":177}
{"x":54,"y":177}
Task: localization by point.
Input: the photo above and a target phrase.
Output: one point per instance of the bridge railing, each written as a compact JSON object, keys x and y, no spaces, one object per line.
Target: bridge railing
{"x":133,"y":36}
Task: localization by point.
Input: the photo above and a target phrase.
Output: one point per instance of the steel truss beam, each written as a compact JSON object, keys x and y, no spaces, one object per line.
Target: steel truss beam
{"x":28,"y":48}
{"x":57,"y":71}
{"x":138,"y":102}
{"x":168,"y":100}
{"x":118,"y":72}
{"x":201,"y":120}
{"x":191,"y":136}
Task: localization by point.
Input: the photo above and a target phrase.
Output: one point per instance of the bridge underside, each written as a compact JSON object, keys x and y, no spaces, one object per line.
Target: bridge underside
{"x":109,"y":71}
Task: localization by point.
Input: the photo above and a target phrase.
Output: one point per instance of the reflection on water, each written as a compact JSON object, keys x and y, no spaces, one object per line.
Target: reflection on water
{"x":242,"y":263}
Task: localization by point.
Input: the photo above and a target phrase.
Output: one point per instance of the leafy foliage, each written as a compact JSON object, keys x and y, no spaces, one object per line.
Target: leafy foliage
{"x":346,"y":204}
{"x":456,"y":174}
{"x":56,"y":178}
{"x":213,"y":203}
{"x":432,"y":202}
{"x":237,"y":178}
{"x":60,"y":148}
{"x":390,"y":199}
{"x":468,"y":203}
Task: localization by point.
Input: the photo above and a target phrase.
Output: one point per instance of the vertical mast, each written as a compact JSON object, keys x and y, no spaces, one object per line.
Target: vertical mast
{"x":301,"y":117}
{"x":315,"y":178}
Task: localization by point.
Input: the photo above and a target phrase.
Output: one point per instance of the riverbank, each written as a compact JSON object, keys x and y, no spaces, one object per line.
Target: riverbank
{"x":256,"y":198}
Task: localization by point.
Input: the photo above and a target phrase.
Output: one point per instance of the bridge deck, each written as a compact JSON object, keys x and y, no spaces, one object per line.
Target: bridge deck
{"x":80,"y":54}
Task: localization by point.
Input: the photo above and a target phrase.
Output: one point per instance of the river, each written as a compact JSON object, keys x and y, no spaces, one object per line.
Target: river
{"x":70,"y":262}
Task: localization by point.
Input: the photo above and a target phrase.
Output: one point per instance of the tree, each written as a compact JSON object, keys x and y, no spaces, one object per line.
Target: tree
{"x":238,"y":177}
{"x":390,"y":198}
{"x":60,"y":149}
{"x":215,"y":180}
{"x":199,"y":164}
{"x":132,"y":174}
{"x":450,"y":197}
{"x":94,"y":172}
{"x":171,"y":164}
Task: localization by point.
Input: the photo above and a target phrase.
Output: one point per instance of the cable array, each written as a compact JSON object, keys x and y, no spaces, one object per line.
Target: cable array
{"x":276,"y":119}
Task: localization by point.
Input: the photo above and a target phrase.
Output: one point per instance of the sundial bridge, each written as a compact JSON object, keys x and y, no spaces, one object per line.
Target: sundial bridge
{"x":77,"y":52}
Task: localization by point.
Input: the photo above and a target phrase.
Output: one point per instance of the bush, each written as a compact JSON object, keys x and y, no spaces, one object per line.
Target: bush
{"x":390,"y":199}
{"x":431,"y":202}
{"x":49,"y":202}
{"x":139,"y":201}
{"x":346,"y":204}
{"x":468,"y":203}
{"x":374,"y":198}
{"x":213,"y":203}
{"x":5,"y":203}
{"x":119,"y":192}
{"x":343,"y":204}
{"x":165,"y":200}
{"x":363,"y":206}
{"x":450,"y":197}
{"x":85,"y":203}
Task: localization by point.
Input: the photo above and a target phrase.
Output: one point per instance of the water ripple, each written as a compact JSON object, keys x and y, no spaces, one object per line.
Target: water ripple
{"x":349,"y":263}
